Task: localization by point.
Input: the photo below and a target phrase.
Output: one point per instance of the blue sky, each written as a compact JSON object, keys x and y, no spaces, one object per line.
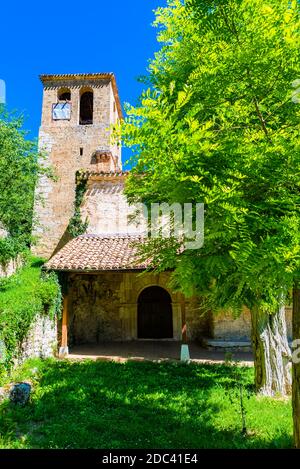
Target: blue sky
{"x":69,"y":37}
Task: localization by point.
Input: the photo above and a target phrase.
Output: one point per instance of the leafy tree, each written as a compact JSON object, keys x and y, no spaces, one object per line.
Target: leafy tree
{"x":218,"y":125}
{"x":19,"y":170}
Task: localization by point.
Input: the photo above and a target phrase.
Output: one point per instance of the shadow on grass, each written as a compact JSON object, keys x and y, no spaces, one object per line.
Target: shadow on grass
{"x":132,"y":405}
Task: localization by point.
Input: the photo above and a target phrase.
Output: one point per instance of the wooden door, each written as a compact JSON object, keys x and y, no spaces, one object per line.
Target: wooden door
{"x":155,"y":314}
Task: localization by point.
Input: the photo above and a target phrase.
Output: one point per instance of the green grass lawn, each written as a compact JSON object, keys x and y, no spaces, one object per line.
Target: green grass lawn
{"x":140,"y":405}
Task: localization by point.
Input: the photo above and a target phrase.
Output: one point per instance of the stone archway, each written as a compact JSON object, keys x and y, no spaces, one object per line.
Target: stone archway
{"x":155,"y":318}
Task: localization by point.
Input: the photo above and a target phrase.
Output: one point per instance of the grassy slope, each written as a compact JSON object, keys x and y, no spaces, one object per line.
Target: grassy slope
{"x":139,"y":405}
{"x":21,"y":285}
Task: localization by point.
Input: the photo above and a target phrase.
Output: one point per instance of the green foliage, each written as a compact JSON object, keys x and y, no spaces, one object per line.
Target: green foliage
{"x":23,"y":296}
{"x":76,"y":225}
{"x":18,"y":173}
{"x":9,"y":248}
{"x":218,"y":125}
{"x":91,"y":404}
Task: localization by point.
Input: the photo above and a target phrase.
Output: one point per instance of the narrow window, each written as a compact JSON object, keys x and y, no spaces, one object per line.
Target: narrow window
{"x":86,"y":108}
{"x":81,"y":151}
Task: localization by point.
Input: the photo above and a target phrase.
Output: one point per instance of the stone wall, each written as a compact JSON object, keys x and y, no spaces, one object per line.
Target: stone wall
{"x":94,"y":309}
{"x":41,"y":340}
{"x":225,"y":327}
{"x":10,"y":267}
{"x":199,"y":324}
{"x":106,"y":208}
{"x":3,"y":231}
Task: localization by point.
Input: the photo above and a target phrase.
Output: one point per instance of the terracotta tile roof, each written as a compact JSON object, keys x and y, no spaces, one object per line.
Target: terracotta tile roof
{"x":107,"y":174}
{"x":98,"y":253}
{"x":60,"y":76}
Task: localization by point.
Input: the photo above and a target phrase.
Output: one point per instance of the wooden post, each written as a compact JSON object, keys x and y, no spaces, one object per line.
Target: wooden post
{"x":64,"y":350}
{"x":185,"y":353}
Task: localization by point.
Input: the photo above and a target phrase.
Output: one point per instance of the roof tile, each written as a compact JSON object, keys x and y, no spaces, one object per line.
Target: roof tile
{"x":99,"y":253}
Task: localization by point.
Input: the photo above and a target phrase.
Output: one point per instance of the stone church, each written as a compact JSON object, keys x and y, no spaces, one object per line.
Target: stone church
{"x":108,"y":296}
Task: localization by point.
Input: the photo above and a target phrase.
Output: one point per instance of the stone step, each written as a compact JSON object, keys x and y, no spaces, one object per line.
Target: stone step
{"x":228,"y":345}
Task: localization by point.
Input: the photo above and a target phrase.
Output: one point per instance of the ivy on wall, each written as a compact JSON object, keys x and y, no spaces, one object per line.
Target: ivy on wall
{"x":76,"y":225}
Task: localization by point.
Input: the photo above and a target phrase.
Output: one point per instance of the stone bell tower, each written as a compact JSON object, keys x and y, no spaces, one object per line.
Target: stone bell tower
{"x":75,"y":134}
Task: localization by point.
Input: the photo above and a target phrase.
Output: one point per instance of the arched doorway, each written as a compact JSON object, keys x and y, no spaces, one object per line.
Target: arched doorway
{"x":155,"y":314}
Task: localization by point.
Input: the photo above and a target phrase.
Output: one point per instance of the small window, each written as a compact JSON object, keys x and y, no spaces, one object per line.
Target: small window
{"x":86,"y":108}
{"x":64,"y":95}
{"x":81,"y":151}
{"x":114,"y":106}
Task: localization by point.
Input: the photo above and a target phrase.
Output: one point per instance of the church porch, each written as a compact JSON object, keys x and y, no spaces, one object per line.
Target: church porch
{"x":105,"y":308}
{"x":109,"y":296}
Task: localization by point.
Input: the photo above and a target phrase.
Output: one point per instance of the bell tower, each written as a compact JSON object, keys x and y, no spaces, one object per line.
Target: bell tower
{"x":75,"y":134}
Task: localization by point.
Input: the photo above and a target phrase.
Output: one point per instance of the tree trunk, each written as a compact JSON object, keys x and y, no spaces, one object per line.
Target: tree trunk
{"x":272,"y":354}
{"x":296,"y":365}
